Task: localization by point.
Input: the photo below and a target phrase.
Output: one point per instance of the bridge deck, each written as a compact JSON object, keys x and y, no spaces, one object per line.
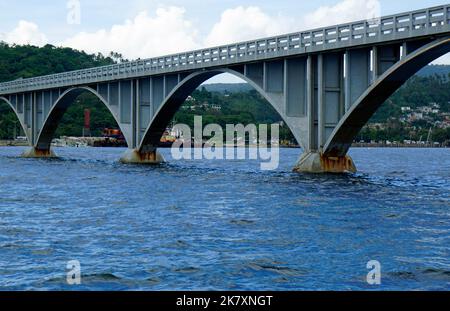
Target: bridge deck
{"x":430,"y":21}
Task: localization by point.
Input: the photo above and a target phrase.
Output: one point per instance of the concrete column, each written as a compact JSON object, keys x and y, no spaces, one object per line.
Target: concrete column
{"x":34,"y":151}
{"x":33,"y":118}
{"x":375,"y":64}
{"x":136,"y":112}
{"x":310,"y":102}
{"x":152,"y":108}
{"x":357,"y":72}
{"x":342,"y":109}
{"x":321,"y":101}
{"x":119,"y":101}
{"x":404,"y":50}
{"x":164,"y":88}
{"x":133,"y":119}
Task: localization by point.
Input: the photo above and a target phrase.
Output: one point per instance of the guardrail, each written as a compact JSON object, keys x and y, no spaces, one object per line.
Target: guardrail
{"x":416,"y":23}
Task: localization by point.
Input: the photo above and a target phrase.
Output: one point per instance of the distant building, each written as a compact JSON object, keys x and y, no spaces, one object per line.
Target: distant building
{"x":435,"y":105}
{"x":190,"y":99}
{"x":425,"y":109}
{"x":445,"y":124}
{"x":376,"y":126}
{"x":415,"y":116}
{"x":406,"y":109}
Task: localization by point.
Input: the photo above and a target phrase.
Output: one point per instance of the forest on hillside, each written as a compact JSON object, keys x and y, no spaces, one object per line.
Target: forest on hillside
{"x":25,"y":61}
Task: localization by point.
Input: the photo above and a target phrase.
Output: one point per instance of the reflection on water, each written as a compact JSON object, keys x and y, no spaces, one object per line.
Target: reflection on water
{"x":224,"y":224}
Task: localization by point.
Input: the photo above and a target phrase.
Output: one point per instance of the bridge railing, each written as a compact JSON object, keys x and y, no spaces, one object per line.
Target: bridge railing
{"x":411,"y":24}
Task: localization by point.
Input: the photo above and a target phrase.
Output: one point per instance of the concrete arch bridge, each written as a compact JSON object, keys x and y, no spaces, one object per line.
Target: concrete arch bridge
{"x":325,"y":83}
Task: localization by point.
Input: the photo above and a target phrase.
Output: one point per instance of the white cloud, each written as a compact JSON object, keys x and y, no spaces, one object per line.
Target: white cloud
{"x":169,"y":31}
{"x":444,"y":60}
{"x":343,"y":12}
{"x":144,"y":36}
{"x":246,"y":23}
{"x":25,"y":33}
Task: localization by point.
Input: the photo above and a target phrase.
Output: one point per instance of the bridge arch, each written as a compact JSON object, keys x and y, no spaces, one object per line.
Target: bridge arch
{"x":368,"y":103}
{"x":21,"y":121}
{"x":186,"y":87}
{"x":56,"y":113}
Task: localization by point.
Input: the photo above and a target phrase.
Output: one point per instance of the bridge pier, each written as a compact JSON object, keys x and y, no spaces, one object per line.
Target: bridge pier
{"x":317,"y":163}
{"x":134,"y":156}
{"x":33,"y":152}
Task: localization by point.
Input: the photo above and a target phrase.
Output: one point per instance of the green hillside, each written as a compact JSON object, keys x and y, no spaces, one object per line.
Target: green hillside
{"x":25,"y":61}
{"x":18,"y":61}
{"x":431,"y":70}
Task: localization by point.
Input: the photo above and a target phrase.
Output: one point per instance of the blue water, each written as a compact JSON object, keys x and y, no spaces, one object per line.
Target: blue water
{"x":224,"y":225}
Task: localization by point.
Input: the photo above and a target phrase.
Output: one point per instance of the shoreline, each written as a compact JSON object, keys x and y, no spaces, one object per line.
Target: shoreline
{"x":8,"y":143}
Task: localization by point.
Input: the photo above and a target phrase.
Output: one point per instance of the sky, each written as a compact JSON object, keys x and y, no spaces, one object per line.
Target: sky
{"x":149,"y":28}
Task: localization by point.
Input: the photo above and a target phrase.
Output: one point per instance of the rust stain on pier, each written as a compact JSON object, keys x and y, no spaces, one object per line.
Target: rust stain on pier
{"x":337,"y":164}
